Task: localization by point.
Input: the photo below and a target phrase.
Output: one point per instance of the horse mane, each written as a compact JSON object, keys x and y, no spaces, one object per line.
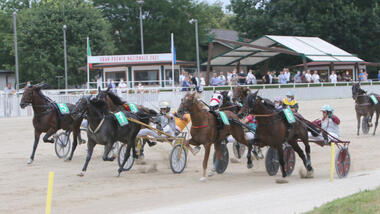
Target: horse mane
{"x":115,"y":99}
{"x":100,"y":105}
{"x":44,"y":97}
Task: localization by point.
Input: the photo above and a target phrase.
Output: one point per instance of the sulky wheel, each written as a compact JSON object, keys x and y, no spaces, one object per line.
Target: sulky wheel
{"x":238,"y":153}
{"x":178,"y":159}
{"x":271,"y":162}
{"x":223,"y":163}
{"x":365,"y":125}
{"x":128,"y":165}
{"x":342,"y":162}
{"x":62,"y":144}
{"x":289,"y":158}
{"x":115,"y":150}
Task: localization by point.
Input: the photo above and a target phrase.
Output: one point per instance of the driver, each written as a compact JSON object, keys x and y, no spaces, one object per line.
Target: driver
{"x":329,"y":122}
{"x":289,"y":101}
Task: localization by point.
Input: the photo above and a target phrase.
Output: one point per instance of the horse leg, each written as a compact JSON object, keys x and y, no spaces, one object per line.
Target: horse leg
{"x":90,"y":148}
{"x":377,"y":120}
{"x":249,"y":154}
{"x":358,"y":118}
{"x":49,"y":133}
{"x":205,"y":160}
{"x":282,"y":162}
{"x":218,"y":154}
{"x":76,"y":136}
{"x":305,"y":160}
{"x":126,"y":157}
{"x":107,"y":149}
{"x":37,"y":135}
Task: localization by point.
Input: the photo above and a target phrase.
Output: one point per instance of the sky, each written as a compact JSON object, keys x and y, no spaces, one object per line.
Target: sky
{"x":225,"y":2}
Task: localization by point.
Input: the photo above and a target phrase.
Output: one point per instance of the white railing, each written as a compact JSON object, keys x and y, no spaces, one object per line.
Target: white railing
{"x":150,"y":97}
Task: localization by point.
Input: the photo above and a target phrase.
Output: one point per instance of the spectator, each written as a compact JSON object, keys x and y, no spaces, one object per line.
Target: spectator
{"x":315,"y":77}
{"x":271,"y":75}
{"x":214,"y":80}
{"x":287,"y":74}
{"x":361,"y":75}
{"x":234,"y":77}
{"x":203,"y":81}
{"x":241,"y":77}
{"x":365,"y":76}
{"x":340,"y":78}
{"x":250,"y":79}
{"x":112,"y":86}
{"x":122,"y":85}
{"x":229,"y":77}
{"x":333,"y":78}
{"x":308,"y":76}
{"x":182,"y":77}
{"x":9,"y":92}
{"x":297,"y":77}
{"x":140,"y":88}
{"x":347,"y":76}
{"x":99,"y":81}
{"x":186,"y":84}
{"x":378,"y":76}
{"x":282,"y":78}
{"x":222,"y":79}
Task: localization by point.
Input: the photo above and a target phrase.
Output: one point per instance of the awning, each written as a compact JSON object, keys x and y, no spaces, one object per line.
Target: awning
{"x":312,"y":48}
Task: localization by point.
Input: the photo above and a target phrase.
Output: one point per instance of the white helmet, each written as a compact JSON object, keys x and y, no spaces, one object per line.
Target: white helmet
{"x":164,"y":104}
{"x":327,"y":108}
{"x":290,"y":94}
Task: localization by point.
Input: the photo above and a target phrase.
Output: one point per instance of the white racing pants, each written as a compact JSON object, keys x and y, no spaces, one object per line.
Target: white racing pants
{"x":248,"y":136}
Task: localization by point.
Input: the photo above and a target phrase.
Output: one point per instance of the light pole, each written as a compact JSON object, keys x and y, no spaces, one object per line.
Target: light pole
{"x":65,"y":55}
{"x":59,"y":81}
{"x":197,"y":44}
{"x":141,"y":2}
{"x":16,"y":52}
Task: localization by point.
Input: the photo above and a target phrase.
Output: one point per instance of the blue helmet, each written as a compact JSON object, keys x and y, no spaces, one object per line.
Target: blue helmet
{"x":327,"y":108}
{"x":290,"y":94}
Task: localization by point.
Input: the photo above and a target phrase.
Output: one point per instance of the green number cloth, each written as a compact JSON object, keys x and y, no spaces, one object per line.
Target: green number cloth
{"x":121,"y":118}
{"x":63,"y":108}
{"x":224,"y":118}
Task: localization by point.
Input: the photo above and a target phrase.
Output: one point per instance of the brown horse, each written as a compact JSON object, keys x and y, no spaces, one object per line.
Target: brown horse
{"x":364,"y":106}
{"x":204,"y":129}
{"x":47,"y":118}
{"x":273,"y":131}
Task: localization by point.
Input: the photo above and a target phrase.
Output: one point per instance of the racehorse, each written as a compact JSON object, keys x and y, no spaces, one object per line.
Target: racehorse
{"x":273,"y":131}
{"x":227,"y":104}
{"x":47,"y":117}
{"x":104,"y":129}
{"x":364,"y":106}
{"x":204,"y":130}
{"x":239,"y":94}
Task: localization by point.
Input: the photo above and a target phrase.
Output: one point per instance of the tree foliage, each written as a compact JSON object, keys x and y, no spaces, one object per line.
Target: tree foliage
{"x":40,"y":35}
{"x":352,"y":25}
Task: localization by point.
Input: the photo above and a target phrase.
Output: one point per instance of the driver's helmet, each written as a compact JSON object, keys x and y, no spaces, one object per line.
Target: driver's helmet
{"x":327,"y":108}
{"x":278,"y":100}
{"x":164,"y":107}
{"x":290,"y":94}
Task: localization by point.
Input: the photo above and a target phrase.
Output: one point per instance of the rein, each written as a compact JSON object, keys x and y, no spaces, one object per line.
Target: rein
{"x":199,"y":127}
{"x":97,"y":128}
{"x":265,"y":115}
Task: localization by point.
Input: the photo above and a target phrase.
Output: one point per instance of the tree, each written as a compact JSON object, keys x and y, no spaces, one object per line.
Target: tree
{"x":160,"y":18}
{"x":6,"y":41}
{"x":41,"y":39}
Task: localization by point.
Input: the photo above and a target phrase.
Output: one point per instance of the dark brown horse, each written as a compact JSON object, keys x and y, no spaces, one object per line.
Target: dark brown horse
{"x":47,"y":118}
{"x":364,"y":106}
{"x":239,"y":94}
{"x":273,"y":131}
{"x":204,"y":129}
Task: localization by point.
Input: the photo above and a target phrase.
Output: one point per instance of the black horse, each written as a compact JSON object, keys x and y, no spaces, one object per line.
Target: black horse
{"x":273,"y":131}
{"x":104,"y":129}
{"x":228,"y":104}
{"x":365,"y":107}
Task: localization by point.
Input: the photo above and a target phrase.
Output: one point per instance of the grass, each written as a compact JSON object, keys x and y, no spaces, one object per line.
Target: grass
{"x":362,"y":202}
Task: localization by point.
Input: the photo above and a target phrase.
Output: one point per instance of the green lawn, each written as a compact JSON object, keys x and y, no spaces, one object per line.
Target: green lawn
{"x":361,"y":203}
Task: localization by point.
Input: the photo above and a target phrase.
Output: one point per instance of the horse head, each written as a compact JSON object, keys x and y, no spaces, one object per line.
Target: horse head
{"x":239,"y":94}
{"x":29,"y":92}
{"x":356,"y":90}
{"x":186,"y":103}
{"x":249,"y":104}
{"x":81,"y":107}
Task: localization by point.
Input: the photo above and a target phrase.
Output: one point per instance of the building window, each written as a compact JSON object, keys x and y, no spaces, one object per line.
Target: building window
{"x":115,"y":75}
{"x":147,"y":77}
{"x":168,"y":77}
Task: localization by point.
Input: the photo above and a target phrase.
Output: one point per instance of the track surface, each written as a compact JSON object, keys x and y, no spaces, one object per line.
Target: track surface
{"x":23,"y":187}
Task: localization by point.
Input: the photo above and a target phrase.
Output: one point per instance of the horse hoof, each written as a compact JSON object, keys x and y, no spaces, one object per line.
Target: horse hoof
{"x":81,"y":174}
{"x":212,"y":173}
{"x":203,"y":179}
{"x":282,"y":181}
{"x":67,"y":159}
{"x":30,"y":161}
{"x":235,"y":160}
{"x":249,"y":166}
{"x":306,"y":174}
{"x":82,"y":142}
{"x":310,"y":174}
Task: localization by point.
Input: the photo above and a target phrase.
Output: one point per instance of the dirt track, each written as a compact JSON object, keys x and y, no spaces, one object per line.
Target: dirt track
{"x":23,"y":187}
